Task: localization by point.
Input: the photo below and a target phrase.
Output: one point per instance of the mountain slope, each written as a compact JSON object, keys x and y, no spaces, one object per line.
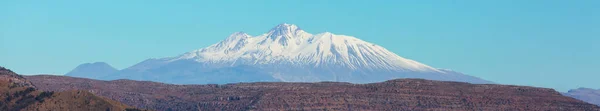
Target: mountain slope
{"x":399,"y":94}
{"x":286,"y":53}
{"x":585,"y":94}
{"x":18,"y":94}
{"x":92,"y":70}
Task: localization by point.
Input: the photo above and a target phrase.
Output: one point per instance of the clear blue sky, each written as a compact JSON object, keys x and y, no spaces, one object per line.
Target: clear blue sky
{"x":545,"y":43}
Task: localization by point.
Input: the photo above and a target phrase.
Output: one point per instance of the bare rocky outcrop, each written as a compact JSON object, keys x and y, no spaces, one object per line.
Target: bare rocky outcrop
{"x":14,"y":79}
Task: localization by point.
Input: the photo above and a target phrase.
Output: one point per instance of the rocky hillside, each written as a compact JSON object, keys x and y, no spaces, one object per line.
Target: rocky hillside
{"x":401,"y":94}
{"x":18,"y":94}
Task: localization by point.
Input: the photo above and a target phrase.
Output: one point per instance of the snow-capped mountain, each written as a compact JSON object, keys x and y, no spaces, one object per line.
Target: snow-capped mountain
{"x":287,"y":53}
{"x":288,"y":44}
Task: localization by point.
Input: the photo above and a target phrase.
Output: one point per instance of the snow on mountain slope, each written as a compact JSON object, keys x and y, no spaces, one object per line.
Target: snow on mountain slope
{"x":288,"y":43}
{"x":286,"y":53}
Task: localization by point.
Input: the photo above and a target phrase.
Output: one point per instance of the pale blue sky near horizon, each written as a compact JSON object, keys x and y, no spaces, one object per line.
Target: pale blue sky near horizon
{"x":543,"y":43}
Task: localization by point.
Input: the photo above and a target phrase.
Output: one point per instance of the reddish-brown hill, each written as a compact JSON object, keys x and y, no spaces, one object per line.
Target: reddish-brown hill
{"x":401,"y":94}
{"x":19,"y":94}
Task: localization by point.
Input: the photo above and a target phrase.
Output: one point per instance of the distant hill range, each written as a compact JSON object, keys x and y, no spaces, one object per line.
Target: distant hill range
{"x":19,"y":94}
{"x":286,"y":53}
{"x":398,"y":94}
{"x":92,"y":70}
{"x":585,"y":94}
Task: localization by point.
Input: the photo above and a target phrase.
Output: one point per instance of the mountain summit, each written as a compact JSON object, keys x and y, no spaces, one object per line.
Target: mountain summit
{"x":283,"y":29}
{"x":287,"y":53}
